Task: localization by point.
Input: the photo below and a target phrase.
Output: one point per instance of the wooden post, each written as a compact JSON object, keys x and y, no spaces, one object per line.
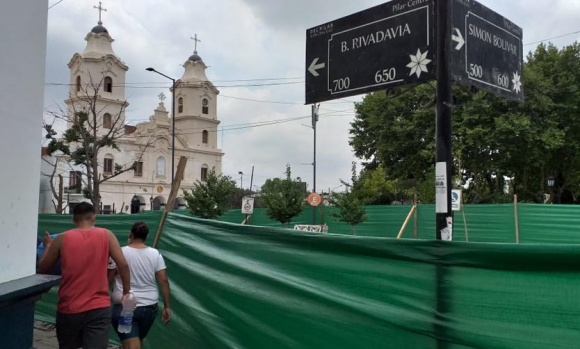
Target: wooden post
{"x":406,"y":222}
{"x":465,"y":223}
{"x":172,"y":197}
{"x":516,"y":219}
{"x":416,"y":217}
{"x":247,"y":219}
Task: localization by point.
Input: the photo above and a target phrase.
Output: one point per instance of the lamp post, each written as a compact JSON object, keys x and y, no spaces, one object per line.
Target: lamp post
{"x":551,"y":181}
{"x":172,"y":122}
{"x":241,"y":180}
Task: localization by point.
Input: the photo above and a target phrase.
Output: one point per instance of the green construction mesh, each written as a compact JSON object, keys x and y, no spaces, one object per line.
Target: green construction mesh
{"x":251,"y":287}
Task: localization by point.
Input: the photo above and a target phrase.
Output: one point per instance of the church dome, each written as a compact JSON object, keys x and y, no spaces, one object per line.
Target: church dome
{"x":195,"y":58}
{"x":99,"y":29}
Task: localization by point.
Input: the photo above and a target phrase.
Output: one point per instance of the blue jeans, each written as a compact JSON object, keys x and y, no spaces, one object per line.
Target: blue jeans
{"x":143,"y":318}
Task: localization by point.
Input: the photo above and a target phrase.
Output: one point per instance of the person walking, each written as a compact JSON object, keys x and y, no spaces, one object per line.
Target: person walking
{"x":83,"y":318}
{"x":146,"y":265}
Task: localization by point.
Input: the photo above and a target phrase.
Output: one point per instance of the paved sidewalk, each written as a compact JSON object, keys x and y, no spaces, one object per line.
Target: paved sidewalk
{"x":45,"y":336}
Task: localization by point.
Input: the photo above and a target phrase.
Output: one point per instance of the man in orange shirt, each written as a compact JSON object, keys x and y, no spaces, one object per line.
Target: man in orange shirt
{"x":83,"y":316}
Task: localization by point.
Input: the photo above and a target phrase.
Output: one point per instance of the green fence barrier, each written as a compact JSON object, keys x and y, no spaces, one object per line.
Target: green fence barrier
{"x":250,"y":287}
{"x":485,"y":223}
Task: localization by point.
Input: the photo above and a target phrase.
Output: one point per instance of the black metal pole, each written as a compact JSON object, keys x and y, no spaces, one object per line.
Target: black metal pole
{"x":444,"y":213}
{"x":173,"y":132}
{"x":444,"y":157}
{"x":314,"y":122}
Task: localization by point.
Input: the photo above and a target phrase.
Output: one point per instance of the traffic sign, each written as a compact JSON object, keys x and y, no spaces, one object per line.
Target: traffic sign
{"x":247,"y":205}
{"x":385,"y":46}
{"x":314,"y":199}
{"x":487,"y":50}
{"x":456,"y":200}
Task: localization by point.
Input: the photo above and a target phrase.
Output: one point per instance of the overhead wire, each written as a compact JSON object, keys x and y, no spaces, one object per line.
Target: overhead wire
{"x":552,"y":38}
{"x":236,"y":127}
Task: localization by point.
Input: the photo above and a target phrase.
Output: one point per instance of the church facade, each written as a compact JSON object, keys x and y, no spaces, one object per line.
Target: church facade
{"x":98,"y":74}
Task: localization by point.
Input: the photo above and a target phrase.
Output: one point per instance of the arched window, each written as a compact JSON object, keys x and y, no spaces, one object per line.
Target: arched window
{"x":108,"y":84}
{"x":108,"y":164}
{"x":205,"y":106}
{"x":204,"y":170}
{"x":161,"y":166}
{"x":205,"y":137}
{"x":107,"y":121}
{"x":78,"y":83}
{"x":180,"y":105}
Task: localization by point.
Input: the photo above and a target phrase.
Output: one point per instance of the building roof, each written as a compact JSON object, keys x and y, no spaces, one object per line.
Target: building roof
{"x":99,"y":29}
{"x":195,"y":58}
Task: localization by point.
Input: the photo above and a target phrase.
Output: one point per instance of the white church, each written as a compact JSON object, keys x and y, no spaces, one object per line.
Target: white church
{"x":148,"y":144}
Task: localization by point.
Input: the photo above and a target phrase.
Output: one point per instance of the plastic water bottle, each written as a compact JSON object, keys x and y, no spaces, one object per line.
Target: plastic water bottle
{"x":126,"y":317}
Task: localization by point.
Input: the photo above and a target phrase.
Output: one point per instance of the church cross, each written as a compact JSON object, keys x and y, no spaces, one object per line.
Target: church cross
{"x":196,"y":40}
{"x":161,"y":97}
{"x":101,"y":9}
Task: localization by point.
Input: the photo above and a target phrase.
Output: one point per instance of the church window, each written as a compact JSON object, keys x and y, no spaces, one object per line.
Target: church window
{"x":204,"y":106}
{"x":78,"y":84}
{"x":204,"y":170}
{"x":107,"y":121}
{"x":108,"y":84}
{"x":74,"y":179}
{"x":138,"y":171}
{"x":161,"y":166}
{"x":180,"y":105}
{"x":108,"y":164}
{"x":205,"y":137}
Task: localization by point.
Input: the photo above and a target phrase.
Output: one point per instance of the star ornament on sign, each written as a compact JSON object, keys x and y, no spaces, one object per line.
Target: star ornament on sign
{"x":517,"y":81}
{"x":419,"y":63}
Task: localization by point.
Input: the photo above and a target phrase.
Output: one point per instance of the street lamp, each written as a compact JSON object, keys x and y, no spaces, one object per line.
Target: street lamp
{"x":241,"y":179}
{"x":172,"y":123}
{"x":551,"y":181}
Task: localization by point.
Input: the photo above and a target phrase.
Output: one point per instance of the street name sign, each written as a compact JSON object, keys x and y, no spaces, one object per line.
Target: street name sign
{"x":376,"y":49}
{"x":487,"y":50}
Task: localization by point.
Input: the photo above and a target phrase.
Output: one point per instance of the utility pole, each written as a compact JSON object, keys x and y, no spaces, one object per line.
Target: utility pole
{"x":315,"y":108}
{"x":444,"y":155}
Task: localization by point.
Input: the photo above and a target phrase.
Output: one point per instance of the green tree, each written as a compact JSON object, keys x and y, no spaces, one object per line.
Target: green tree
{"x":283,"y":197}
{"x":494,"y":139}
{"x":351,"y":210}
{"x":209,"y":199}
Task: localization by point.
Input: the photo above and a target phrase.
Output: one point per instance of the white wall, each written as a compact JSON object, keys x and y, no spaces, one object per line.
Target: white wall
{"x":22,"y":67}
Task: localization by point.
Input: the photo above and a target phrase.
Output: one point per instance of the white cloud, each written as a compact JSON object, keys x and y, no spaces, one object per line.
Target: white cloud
{"x":248,"y":39}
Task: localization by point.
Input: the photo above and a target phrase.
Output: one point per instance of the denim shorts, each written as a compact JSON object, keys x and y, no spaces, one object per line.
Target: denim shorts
{"x":143,"y":318}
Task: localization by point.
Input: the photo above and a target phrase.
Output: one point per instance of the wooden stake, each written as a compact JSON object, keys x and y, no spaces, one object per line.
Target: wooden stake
{"x":406,"y":222}
{"x":416,"y":217}
{"x":465,"y":223}
{"x":247,"y":219}
{"x":516,"y":219}
{"x":172,"y":198}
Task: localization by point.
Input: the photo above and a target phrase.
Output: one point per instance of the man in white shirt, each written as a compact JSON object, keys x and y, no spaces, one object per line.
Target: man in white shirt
{"x":147,"y":266}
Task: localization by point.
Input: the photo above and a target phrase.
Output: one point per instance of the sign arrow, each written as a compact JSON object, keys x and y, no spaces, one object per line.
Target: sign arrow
{"x":314,"y":67}
{"x":458,"y":39}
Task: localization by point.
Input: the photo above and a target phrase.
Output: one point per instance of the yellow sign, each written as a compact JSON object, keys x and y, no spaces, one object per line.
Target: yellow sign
{"x":160,"y":189}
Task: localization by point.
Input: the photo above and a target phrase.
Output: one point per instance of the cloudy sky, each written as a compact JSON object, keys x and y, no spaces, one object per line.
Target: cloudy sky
{"x":255,"y":50}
